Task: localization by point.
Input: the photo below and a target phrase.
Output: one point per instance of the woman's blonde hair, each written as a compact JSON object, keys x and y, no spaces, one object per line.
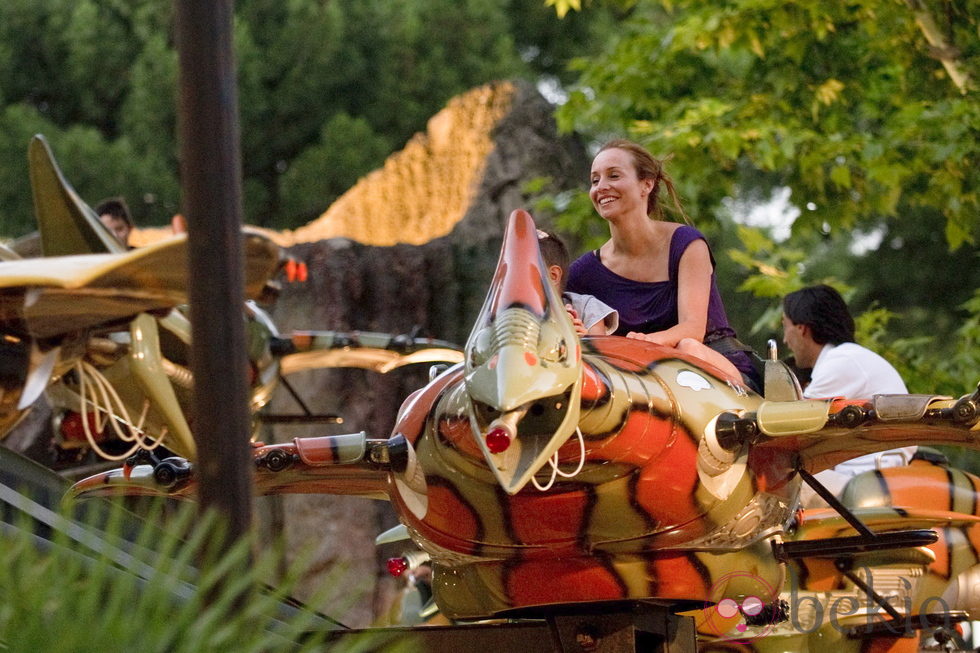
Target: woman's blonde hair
{"x":649,"y":167}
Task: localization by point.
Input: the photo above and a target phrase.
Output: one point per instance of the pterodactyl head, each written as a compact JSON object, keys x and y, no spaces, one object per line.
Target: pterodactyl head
{"x":523,"y":363}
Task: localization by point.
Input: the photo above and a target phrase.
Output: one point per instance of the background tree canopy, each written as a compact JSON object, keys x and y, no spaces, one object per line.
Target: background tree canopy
{"x":845,"y":104}
{"x":327,"y":90}
{"x":861,"y":117}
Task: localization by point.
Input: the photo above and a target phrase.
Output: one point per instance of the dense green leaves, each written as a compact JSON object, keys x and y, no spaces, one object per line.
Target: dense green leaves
{"x":868,"y":112}
{"x":324,"y":170}
{"x":326,"y":90}
{"x":841,"y":102}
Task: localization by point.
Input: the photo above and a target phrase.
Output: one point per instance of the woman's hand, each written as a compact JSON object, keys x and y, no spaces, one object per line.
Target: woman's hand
{"x":657,"y":338}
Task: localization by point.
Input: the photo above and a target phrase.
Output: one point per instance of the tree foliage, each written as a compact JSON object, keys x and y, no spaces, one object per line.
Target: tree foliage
{"x":841,"y":102}
{"x":867,"y":111}
{"x":327,"y":89}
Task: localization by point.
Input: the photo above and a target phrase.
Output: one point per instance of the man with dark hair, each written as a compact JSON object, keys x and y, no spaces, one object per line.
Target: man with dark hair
{"x":114,"y":214}
{"x":822,"y":309}
{"x":819,"y":329}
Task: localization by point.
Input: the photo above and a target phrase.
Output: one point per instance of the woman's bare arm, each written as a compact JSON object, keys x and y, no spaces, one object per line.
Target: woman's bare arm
{"x":693,"y":290}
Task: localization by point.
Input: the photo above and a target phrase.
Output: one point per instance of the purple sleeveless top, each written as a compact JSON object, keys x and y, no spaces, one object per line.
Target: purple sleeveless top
{"x":648,"y":306}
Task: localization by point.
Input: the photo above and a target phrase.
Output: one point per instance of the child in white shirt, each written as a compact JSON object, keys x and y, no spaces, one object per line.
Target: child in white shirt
{"x":590,"y":316}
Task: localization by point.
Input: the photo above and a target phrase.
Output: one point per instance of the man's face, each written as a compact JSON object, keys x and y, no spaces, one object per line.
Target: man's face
{"x":794,"y":338}
{"x":117,"y":226}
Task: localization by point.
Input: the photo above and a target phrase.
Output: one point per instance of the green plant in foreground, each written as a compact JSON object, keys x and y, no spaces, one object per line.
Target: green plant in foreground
{"x":107,"y":593}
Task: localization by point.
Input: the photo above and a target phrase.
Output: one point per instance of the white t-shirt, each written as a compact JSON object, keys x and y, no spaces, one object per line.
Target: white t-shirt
{"x":592,"y":311}
{"x":850,"y":370}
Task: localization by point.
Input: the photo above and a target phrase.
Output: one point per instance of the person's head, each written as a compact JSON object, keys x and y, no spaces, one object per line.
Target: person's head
{"x":114,"y":214}
{"x":555,"y":255}
{"x":633,"y":175}
{"x":178,"y":224}
{"x":813,"y":317}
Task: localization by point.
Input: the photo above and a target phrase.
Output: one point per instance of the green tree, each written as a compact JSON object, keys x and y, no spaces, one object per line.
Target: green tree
{"x":866,"y":111}
{"x":841,"y":102}
{"x":379,"y":67}
{"x":325,"y":170}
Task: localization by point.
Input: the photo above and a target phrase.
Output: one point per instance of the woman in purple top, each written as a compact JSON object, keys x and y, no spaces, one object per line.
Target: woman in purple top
{"x":659,"y":275}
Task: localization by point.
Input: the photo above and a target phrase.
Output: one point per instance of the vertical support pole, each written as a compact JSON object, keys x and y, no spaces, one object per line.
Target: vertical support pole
{"x":210,"y":171}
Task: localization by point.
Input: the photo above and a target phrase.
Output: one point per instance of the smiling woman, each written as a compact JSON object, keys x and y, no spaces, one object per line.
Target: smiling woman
{"x":659,"y":275}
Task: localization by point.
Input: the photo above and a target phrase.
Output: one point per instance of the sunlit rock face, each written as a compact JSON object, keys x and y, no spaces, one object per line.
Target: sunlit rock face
{"x":466,"y":172}
{"x":425,"y":189}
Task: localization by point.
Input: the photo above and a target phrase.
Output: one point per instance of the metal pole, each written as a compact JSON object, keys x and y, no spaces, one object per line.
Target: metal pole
{"x":210,"y":168}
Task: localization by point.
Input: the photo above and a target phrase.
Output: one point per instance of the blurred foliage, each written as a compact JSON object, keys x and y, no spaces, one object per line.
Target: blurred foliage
{"x":323,"y":172}
{"x":326,"y":91}
{"x":125,"y":587}
{"x":845,"y":104}
{"x":915,"y":357}
{"x":850,"y":113}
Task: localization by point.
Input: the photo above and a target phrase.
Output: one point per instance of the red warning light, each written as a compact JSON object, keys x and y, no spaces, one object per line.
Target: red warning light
{"x":397,"y":566}
{"x":497,"y":439}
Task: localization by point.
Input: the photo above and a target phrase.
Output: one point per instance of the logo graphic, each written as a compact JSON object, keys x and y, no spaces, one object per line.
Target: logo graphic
{"x":745,"y":607}
{"x":692,"y":380}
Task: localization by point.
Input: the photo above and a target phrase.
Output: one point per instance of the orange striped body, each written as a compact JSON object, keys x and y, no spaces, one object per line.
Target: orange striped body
{"x":620,"y":528}
{"x":938,"y":580}
{"x":954,"y":493}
